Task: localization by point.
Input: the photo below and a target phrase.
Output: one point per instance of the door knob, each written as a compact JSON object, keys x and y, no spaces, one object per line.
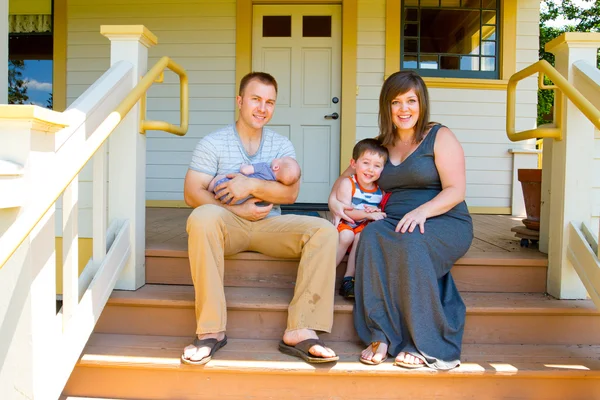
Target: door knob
{"x":332,"y":116}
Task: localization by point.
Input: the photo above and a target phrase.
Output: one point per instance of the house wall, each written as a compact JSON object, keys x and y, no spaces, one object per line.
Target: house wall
{"x":200,"y":35}
{"x":197,"y":34}
{"x":477,"y":117}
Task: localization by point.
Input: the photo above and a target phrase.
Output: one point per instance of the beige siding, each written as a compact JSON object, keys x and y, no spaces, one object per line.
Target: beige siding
{"x":477,"y":117}
{"x":199,"y":35}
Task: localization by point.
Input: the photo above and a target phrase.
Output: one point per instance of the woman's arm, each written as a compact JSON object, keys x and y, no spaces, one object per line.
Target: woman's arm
{"x":450,"y":163}
{"x":337,"y":207}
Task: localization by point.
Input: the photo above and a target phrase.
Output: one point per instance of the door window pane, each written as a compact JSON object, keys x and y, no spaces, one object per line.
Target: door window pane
{"x":316,"y":26}
{"x":277,"y":26}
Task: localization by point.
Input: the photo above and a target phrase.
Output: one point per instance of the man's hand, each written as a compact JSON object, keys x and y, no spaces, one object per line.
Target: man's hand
{"x":238,"y":188}
{"x":250,"y":211}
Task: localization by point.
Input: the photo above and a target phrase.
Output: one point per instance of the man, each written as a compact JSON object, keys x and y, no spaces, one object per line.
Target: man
{"x":217,"y":229}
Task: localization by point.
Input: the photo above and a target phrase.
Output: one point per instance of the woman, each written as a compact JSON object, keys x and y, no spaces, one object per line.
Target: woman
{"x":407,"y":304}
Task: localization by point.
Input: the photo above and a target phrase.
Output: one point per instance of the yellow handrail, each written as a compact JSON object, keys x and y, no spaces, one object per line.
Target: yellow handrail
{"x":560,"y":82}
{"x":156,"y":75}
{"x":68,"y":168}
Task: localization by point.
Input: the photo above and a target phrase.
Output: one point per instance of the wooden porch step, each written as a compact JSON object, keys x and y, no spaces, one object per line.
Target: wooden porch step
{"x":132,"y":366}
{"x":475,"y":272}
{"x":261,"y":313}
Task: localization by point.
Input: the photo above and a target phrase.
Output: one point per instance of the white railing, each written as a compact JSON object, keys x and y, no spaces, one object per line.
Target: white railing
{"x":38,"y":346}
{"x":567,"y":170}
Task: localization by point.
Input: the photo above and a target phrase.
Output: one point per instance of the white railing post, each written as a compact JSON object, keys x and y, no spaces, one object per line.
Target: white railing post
{"x":127,"y":153}
{"x":571,"y":178}
{"x":28,"y":280}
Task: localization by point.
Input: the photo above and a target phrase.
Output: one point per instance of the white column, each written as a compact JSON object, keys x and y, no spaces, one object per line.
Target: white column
{"x":27,"y":281}
{"x":3,"y":51}
{"x":522,"y":159}
{"x":127,"y":154}
{"x":571,"y":179}
{"x":544,"y":242}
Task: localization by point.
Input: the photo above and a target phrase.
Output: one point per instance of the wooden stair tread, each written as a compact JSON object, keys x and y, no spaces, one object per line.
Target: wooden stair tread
{"x":472,"y":257}
{"x":277,"y":299}
{"x":252,"y":355}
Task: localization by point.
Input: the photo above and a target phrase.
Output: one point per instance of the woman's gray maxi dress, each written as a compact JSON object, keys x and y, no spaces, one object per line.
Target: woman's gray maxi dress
{"x":405,"y":295}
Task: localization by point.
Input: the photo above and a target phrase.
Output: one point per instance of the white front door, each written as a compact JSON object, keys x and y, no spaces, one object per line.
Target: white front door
{"x":300,"y":45}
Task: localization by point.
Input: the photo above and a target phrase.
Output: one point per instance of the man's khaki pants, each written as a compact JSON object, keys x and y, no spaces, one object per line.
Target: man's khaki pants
{"x":215,"y":232}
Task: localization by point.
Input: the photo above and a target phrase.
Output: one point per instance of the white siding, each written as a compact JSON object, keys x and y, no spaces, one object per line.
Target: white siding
{"x":477,"y":117}
{"x":197,"y":34}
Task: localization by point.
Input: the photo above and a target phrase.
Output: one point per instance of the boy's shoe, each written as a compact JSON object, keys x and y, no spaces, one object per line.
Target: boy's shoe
{"x":347,"y":287}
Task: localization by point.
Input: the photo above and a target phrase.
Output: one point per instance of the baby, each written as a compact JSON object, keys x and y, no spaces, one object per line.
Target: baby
{"x":284,"y":170}
{"x":362,"y":193}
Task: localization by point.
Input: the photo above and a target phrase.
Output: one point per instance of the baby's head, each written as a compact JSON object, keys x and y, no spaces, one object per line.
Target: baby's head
{"x":286,"y":170}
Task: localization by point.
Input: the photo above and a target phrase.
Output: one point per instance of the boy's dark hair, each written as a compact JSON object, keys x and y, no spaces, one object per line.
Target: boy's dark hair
{"x":371,"y":145}
{"x":262,"y":77}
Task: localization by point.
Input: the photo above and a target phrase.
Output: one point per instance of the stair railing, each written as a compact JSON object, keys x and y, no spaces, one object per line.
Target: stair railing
{"x":54,"y":339}
{"x":568,"y":143}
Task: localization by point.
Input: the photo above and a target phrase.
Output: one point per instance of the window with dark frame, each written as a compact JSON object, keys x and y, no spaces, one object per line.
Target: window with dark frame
{"x":451,"y":38}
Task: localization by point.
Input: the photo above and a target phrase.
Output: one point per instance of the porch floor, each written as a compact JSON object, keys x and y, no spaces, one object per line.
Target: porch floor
{"x":165,"y":228}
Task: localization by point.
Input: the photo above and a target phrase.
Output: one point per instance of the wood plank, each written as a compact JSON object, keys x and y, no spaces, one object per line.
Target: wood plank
{"x":492,"y":232}
{"x":158,"y":351}
{"x":276,"y":299}
{"x":177,"y":382}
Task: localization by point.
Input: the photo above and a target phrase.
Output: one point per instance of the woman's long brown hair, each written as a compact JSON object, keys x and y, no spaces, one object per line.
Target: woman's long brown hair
{"x":396,"y":84}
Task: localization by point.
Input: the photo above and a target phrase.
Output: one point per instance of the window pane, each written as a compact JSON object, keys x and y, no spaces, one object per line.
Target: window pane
{"x":489,"y":17}
{"x":488,"y":63}
{"x":412,"y":15}
{"x":430,"y":3}
{"x":489,"y":4}
{"x":277,"y":26}
{"x":410,"y":61}
{"x":471,"y":3}
{"x":488,"y":48}
{"x":451,"y":3}
{"x":411,"y":30}
{"x":489,"y":32}
{"x":436,"y":25}
{"x":316,"y":25}
{"x":469,"y":63}
{"x":410,"y":46}
{"x":450,"y":62}
{"x":429,"y":62}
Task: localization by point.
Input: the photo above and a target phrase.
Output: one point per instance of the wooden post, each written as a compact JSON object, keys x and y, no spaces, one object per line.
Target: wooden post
{"x":127,"y":153}
{"x":571,"y":179}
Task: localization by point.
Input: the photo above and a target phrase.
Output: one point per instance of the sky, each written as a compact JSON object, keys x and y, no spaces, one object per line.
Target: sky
{"x":38,"y":74}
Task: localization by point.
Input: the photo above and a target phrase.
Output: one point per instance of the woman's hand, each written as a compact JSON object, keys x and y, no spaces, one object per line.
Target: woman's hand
{"x":339,"y":209}
{"x":371,"y":209}
{"x":376,"y":215}
{"x":411,"y":220}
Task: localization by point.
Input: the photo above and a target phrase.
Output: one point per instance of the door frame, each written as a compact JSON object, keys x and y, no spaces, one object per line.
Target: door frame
{"x":243,"y":62}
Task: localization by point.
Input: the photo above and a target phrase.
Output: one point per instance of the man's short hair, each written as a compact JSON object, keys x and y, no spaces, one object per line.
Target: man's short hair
{"x":262,"y":77}
{"x":370,"y":145}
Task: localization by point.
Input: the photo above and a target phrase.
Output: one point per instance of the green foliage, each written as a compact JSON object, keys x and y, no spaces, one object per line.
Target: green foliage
{"x":582,"y":20}
{"x":17,"y":88}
